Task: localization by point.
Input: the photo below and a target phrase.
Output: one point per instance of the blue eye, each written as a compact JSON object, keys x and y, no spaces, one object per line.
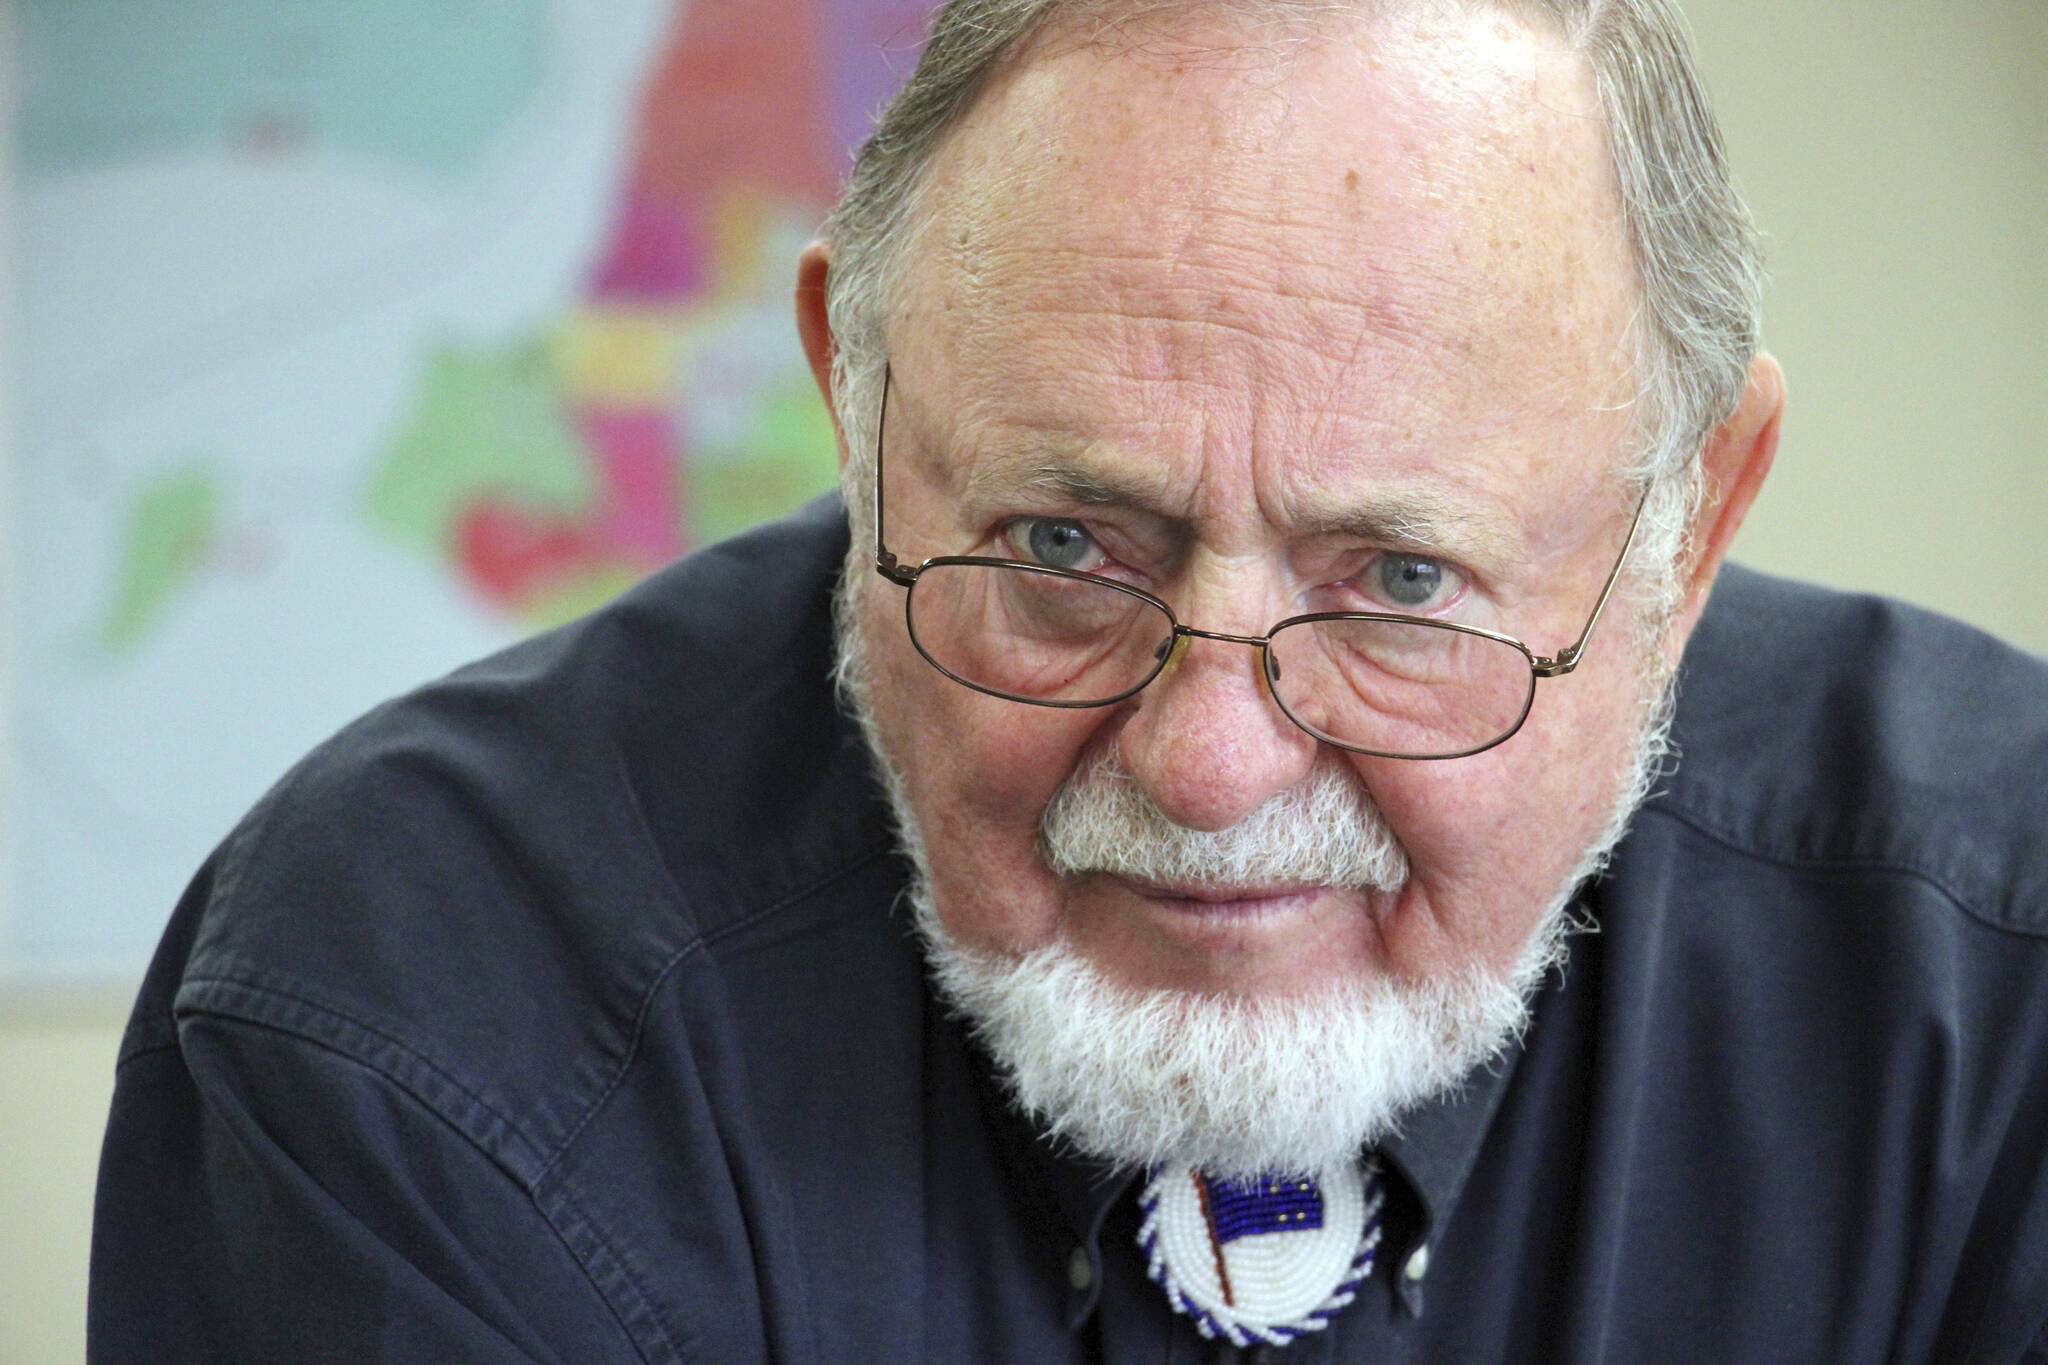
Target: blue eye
{"x":1058,"y":544}
{"x":1409,"y":580}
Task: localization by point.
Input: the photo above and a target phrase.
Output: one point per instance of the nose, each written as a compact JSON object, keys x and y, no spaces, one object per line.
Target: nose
{"x":1206,"y":740}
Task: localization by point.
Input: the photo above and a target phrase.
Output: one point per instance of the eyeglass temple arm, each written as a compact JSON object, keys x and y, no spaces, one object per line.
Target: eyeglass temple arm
{"x":885,"y":563}
{"x":1567,"y":659}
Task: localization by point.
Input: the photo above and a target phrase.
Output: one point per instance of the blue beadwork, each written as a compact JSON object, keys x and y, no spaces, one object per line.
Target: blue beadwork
{"x":1272,"y":1334}
{"x":1266,"y":1204}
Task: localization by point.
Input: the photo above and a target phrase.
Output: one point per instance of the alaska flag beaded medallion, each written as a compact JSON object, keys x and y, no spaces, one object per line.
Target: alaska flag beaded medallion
{"x":1265,"y":1259}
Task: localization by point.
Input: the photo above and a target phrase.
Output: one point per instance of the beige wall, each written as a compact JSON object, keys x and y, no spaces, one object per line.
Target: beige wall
{"x":1897,"y":153}
{"x":56,"y":1075}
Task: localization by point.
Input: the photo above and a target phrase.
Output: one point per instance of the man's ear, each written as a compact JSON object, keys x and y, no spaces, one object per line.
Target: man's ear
{"x":1737,"y":457}
{"x":815,"y":327}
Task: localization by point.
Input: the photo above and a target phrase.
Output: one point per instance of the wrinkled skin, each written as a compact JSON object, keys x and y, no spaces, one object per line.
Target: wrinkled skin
{"x":1285,"y":308}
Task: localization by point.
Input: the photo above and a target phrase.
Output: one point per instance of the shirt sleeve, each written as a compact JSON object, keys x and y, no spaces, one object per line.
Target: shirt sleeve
{"x":264,"y":1197}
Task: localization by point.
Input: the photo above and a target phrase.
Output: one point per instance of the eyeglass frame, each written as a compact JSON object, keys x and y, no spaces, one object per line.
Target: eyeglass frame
{"x":1540,"y":666}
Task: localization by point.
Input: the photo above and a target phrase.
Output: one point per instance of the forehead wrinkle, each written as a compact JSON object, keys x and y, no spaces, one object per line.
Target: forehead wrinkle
{"x":1024,"y":234}
{"x":1291,"y":321}
{"x":1396,"y":290}
{"x":1227,"y":364}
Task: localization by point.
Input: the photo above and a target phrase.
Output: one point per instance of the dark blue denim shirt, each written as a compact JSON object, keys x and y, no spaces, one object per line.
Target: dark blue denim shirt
{"x":563,"y":1011}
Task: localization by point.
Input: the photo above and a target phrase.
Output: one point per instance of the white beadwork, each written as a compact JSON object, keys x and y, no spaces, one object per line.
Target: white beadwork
{"x":1282,"y":1283}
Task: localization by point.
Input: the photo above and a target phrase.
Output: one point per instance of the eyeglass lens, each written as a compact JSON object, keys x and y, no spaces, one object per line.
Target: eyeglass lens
{"x":1408,"y":688}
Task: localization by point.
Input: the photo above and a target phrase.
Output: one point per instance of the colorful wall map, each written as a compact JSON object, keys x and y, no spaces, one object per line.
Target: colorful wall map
{"x":358,"y":340}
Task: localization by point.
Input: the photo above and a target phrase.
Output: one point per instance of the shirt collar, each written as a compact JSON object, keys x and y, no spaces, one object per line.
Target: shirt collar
{"x":1433,"y":1153}
{"x":1073,"y":1193}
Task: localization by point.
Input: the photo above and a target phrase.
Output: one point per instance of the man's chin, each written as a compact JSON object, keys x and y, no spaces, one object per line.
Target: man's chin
{"x":1231,"y":1082}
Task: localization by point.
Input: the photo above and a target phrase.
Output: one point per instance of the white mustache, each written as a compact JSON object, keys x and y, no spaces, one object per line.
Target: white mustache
{"x":1323,"y":831}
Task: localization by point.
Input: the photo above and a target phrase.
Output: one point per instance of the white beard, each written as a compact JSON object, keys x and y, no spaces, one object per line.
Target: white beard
{"x":1236,"y":1085}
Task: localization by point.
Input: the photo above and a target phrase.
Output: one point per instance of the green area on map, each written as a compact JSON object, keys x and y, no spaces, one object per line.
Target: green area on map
{"x":786,"y":455}
{"x":171,"y":527}
{"x":485,"y":421}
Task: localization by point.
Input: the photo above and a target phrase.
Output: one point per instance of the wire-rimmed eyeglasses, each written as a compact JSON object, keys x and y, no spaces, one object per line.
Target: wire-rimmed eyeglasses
{"x":1374,"y":683}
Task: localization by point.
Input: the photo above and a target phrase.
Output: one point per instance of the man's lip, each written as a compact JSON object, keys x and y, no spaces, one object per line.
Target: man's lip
{"x":1213,"y":894}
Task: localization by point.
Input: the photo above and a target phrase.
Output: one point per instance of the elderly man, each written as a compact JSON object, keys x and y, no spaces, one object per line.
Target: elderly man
{"x":1288,"y":448}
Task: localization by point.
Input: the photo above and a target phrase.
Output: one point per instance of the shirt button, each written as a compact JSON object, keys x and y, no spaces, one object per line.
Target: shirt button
{"x":1080,"y":1271}
{"x":1418,"y":1263}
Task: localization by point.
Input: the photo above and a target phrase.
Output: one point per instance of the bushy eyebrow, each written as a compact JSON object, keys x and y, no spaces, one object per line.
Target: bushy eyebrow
{"x":995,"y":479}
{"x":1470,"y":534}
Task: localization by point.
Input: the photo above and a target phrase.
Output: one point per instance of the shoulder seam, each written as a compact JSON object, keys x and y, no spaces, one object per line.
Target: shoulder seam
{"x":1699,"y":825}
{"x":203,"y":995}
{"x":871,"y":855}
{"x":430,"y":1106}
{"x":649,"y":1337}
{"x":646,"y":1007}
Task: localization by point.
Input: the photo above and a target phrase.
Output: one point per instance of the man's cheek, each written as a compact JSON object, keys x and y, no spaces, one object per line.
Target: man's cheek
{"x":1454,"y":819}
{"x":1006,"y":759}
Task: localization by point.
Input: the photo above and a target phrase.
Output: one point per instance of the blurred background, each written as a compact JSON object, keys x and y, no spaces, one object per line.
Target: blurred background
{"x":340,"y":343}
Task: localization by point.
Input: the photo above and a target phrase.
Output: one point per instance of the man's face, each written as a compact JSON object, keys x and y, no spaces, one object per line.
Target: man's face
{"x":1309,"y":325}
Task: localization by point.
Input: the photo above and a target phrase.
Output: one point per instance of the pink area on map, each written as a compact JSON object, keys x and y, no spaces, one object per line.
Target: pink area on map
{"x":654,"y":253}
{"x":639,"y":513}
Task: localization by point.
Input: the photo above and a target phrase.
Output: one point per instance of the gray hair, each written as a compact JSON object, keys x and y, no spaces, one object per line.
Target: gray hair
{"x":1696,"y":252}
